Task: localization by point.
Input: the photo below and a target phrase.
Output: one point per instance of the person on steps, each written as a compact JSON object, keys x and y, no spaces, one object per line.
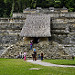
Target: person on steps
{"x":31,"y":43}
{"x":34,"y":55}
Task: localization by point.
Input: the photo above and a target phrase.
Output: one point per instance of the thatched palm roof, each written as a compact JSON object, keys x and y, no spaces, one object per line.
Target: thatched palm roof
{"x":36,"y":26}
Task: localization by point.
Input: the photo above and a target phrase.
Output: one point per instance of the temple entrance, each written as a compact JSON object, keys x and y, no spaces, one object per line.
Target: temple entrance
{"x":36,"y":40}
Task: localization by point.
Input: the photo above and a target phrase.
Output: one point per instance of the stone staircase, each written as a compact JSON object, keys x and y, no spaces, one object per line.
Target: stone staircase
{"x":51,"y":50}
{"x":1,"y":50}
{"x":70,"y":49}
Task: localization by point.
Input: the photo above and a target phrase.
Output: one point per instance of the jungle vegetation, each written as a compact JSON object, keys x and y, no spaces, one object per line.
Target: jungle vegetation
{"x":7,"y":7}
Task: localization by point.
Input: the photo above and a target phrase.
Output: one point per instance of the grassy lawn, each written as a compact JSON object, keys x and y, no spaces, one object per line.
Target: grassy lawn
{"x":62,"y":62}
{"x":21,"y":67}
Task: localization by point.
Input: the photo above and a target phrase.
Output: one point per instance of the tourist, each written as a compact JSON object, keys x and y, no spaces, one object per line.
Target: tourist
{"x":34,"y":49}
{"x":31,"y":43}
{"x":73,"y":57}
{"x":24,"y":56}
{"x":39,"y":56}
{"x":18,"y":55}
{"x":42,"y":56}
{"x":21,"y":55}
{"x":34,"y":55}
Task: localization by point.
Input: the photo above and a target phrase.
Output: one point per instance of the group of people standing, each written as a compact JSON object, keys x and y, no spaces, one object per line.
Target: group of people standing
{"x":34,"y":55}
{"x":21,"y":55}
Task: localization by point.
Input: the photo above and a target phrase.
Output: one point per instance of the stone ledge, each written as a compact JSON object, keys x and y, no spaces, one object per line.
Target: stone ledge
{"x":69,"y":45}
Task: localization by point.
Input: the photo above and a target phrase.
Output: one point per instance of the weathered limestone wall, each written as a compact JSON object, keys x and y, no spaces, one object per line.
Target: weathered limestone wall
{"x":62,"y":32}
{"x":19,"y":15}
{"x":51,"y":50}
{"x":12,"y":20}
{"x":52,"y":14}
{"x":10,"y":29}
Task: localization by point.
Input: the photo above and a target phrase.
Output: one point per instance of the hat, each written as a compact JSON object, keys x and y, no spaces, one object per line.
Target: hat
{"x":34,"y":49}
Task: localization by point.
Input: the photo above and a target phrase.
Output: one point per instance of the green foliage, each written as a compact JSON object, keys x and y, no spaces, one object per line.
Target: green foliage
{"x":71,"y":9}
{"x":7,"y":7}
{"x":57,"y":4}
{"x":2,"y":5}
{"x":12,"y":9}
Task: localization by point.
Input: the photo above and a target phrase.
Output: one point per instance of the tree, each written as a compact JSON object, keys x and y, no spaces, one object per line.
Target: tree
{"x":70,"y":4}
{"x":57,"y":4}
{"x":2,"y":5}
{"x":7,"y":7}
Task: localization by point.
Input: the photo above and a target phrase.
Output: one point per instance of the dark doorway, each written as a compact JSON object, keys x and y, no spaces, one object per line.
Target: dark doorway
{"x":49,"y":38}
{"x":36,"y":40}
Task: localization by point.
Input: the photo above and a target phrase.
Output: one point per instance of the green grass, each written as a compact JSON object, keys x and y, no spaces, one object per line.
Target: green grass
{"x":21,"y":67}
{"x":62,"y":62}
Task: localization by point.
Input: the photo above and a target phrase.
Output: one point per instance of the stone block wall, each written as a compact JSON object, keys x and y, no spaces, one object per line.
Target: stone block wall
{"x":52,"y":14}
{"x":63,"y":30}
{"x":10,"y":29}
{"x":19,"y":15}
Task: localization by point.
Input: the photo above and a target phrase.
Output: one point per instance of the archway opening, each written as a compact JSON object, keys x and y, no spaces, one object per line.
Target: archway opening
{"x":35,"y":40}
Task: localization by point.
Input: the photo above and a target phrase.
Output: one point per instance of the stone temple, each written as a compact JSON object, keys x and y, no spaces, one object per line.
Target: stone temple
{"x":52,"y":31}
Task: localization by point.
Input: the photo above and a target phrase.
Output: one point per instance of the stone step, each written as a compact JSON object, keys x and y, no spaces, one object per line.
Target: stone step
{"x":70,"y":49}
{"x":1,"y":51}
{"x":50,"y":51}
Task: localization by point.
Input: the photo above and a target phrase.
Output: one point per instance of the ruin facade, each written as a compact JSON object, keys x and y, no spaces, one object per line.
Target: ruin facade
{"x":59,"y":44}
